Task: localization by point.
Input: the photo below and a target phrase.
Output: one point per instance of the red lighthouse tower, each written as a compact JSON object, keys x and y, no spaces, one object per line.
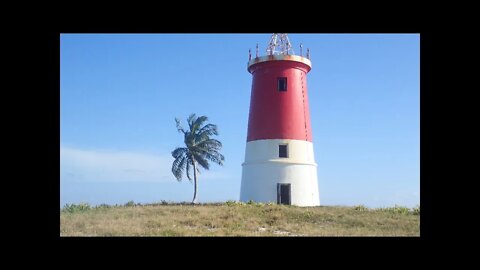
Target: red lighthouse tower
{"x":279,"y":161}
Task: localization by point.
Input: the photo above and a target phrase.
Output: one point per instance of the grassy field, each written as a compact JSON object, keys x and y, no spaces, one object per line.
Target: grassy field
{"x":235,"y":219}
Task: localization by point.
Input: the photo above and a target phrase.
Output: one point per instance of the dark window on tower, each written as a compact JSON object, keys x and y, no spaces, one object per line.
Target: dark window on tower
{"x":282,"y":84}
{"x":282,"y":151}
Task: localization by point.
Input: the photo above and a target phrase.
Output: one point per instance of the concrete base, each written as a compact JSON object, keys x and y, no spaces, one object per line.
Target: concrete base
{"x":263,"y":170}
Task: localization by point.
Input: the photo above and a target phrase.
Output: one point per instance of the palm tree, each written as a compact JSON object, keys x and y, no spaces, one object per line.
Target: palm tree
{"x":200,"y":149}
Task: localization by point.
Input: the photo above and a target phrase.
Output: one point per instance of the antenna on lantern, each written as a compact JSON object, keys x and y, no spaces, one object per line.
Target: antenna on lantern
{"x":279,"y":45}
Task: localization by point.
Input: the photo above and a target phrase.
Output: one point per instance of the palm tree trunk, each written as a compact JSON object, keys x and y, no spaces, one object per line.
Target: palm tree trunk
{"x":194,"y":201}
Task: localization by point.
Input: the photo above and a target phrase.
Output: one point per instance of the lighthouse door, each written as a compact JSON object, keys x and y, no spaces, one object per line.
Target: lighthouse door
{"x":283,"y":193}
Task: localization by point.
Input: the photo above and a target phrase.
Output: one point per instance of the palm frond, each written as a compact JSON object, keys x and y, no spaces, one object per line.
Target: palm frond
{"x":208,"y":130}
{"x":210,"y":144}
{"x":191,"y":120}
{"x":215,"y":156}
{"x":179,"y":127}
{"x":179,"y":151}
{"x":198,"y":123}
{"x":204,"y":133}
{"x":178,"y":167}
{"x":201,"y":161}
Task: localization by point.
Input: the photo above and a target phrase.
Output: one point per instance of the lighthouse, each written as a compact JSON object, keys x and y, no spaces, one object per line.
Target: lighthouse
{"x":279,"y":162}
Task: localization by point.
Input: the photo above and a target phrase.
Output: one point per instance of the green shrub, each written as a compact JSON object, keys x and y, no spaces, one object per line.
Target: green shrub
{"x":396,"y":209}
{"x":72,"y":208}
{"x":253,"y":203}
{"x":401,"y":209}
{"x":360,"y":208}
{"x":416,"y":210}
{"x":230,"y":203}
{"x":234,"y":203}
{"x":103,"y":206}
{"x":130,"y":203}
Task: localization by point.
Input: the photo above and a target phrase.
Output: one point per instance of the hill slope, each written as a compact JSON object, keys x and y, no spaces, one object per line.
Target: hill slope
{"x":233,"y":219}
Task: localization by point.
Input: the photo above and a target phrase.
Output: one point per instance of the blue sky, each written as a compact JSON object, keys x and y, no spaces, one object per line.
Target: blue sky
{"x":120,"y":93}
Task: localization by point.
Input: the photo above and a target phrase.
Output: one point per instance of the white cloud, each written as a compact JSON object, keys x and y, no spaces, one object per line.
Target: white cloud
{"x":112,"y":166}
{"x":100,"y":166}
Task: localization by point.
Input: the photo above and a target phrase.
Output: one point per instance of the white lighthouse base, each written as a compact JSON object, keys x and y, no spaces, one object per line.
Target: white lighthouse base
{"x":264,"y":170}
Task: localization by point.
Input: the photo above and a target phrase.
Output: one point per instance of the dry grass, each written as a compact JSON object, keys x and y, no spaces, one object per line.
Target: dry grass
{"x":237,"y":220}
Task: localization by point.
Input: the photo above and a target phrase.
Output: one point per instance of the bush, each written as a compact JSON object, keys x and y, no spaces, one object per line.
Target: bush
{"x":400,"y":209}
{"x":258,"y":204}
{"x":416,"y":210}
{"x":230,"y":203}
{"x":396,"y":209}
{"x":103,"y":206}
{"x":72,"y":208}
{"x":360,"y":208}
{"x":233,"y":203}
{"x":130,"y":203}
